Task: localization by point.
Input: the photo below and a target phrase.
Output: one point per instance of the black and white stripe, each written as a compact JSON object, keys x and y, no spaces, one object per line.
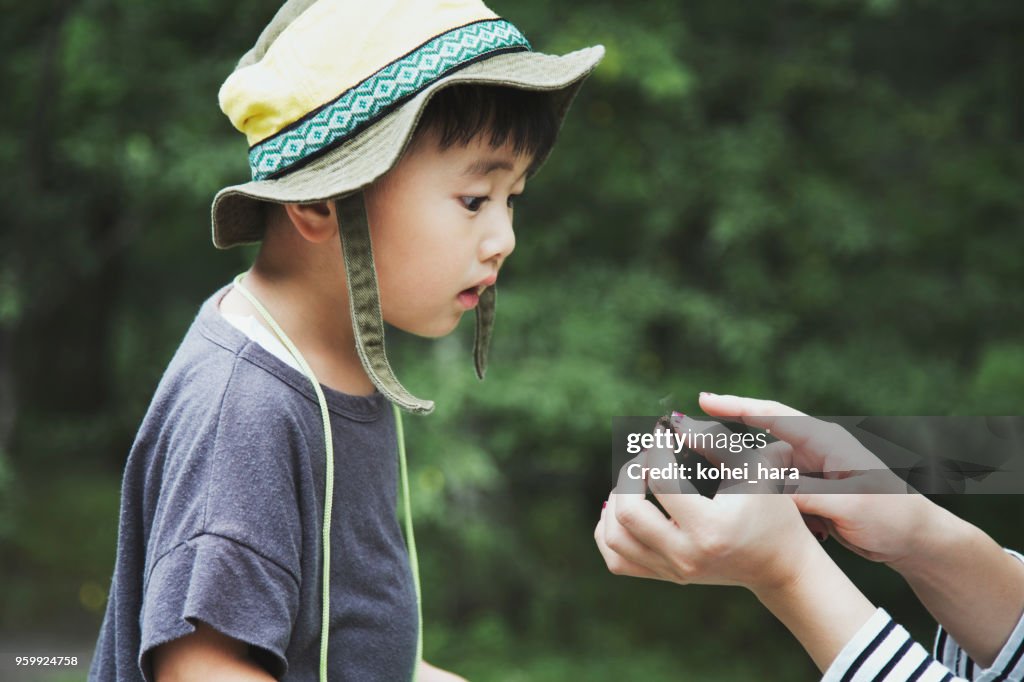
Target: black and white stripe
{"x":1008,"y":666}
{"x":1009,"y":663}
{"x":883,"y":650}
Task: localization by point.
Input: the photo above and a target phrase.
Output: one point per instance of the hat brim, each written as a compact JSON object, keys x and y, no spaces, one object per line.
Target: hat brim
{"x":237,"y":212}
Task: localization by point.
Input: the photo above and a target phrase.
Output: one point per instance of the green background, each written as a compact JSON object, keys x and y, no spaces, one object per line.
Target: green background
{"x":815,"y":201}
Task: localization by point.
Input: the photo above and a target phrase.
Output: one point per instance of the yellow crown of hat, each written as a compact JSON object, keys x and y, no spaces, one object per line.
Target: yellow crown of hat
{"x":341,"y":65}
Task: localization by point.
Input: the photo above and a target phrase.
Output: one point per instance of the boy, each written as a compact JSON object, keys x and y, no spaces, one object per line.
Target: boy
{"x":230,"y":565}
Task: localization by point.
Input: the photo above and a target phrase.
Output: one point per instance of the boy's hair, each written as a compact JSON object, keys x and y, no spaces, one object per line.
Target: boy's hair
{"x":528,"y":119}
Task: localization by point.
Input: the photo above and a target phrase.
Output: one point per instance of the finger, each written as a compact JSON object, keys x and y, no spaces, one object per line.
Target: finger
{"x":818,"y":444}
{"x":778,"y":454}
{"x":633,"y":514}
{"x":816,"y":500}
{"x":664,"y":475}
{"x":617,"y":564}
{"x":827,"y":507}
{"x":701,"y":435}
{"x":636,"y":476}
{"x":641,"y":520}
{"x":632,"y":481}
{"x":620,"y":540}
{"x":812,"y":486}
{"x":678,"y":497}
{"x":764,"y":414}
{"x":873,"y":482}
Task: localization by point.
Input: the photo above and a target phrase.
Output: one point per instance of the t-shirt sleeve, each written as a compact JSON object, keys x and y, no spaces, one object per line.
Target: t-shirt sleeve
{"x":226,"y":585}
{"x":226,"y":540}
{"x":1008,"y":664}
{"x":883,"y":650}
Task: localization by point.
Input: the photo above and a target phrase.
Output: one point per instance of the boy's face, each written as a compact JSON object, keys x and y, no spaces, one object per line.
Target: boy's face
{"x":441,"y":224}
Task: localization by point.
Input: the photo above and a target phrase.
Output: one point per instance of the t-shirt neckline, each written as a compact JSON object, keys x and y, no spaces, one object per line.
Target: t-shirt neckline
{"x":219,"y":330}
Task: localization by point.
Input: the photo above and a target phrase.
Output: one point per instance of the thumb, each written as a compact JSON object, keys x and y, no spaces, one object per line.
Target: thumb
{"x":817,"y":500}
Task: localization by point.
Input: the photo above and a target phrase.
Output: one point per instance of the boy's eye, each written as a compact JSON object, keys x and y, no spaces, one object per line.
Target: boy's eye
{"x":475,"y":203}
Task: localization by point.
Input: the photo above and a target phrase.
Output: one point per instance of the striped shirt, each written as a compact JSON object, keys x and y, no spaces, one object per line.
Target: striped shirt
{"x":883,"y":650}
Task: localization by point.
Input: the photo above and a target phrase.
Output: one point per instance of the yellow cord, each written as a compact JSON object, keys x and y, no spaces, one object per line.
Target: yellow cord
{"x":329,"y":493}
{"x":410,"y":540}
{"x":328,"y":476}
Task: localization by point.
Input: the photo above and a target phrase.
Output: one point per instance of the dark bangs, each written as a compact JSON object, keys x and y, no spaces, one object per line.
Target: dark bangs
{"x":526,"y":118}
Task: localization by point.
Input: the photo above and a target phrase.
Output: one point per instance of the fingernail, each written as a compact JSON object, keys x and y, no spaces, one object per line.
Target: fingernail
{"x":678,"y":414}
{"x":706,"y":394}
{"x":604,"y":504}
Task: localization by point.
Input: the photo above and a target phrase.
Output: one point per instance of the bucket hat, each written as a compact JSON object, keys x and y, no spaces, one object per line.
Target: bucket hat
{"x":328,"y":99}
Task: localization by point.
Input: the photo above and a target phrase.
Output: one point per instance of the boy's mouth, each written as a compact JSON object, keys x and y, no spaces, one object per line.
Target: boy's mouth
{"x":470,"y":296}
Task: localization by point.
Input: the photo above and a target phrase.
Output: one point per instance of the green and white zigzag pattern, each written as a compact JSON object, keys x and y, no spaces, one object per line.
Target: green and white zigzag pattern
{"x":372,"y":97}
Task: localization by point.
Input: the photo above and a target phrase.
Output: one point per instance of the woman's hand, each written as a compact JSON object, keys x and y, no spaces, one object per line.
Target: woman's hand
{"x":964,"y":578}
{"x":865,"y":506}
{"x":758,"y":541}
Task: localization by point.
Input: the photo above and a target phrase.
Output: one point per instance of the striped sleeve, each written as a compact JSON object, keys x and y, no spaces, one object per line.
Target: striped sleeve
{"x":883,"y":650}
{"x":1009,"y":663}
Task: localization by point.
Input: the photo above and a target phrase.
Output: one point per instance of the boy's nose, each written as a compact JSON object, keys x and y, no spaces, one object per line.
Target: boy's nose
{"x":499,"y":240}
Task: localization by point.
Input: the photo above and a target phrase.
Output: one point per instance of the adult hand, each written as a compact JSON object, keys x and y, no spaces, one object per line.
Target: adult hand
{"x":757,"y":541}
{"x":754,"y":540}
{"x":964,"y":578}
{"x":866,"y":507}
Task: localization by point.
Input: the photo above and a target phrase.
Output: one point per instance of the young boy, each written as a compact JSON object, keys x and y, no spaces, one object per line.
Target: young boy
{"x":229,"y":563}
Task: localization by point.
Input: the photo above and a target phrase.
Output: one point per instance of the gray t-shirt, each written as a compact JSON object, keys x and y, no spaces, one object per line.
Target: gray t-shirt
{"x":222,"y":512}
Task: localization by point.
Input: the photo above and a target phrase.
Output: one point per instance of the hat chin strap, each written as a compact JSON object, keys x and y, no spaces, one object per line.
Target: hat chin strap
{"x":364,"y":308}
{"x":484,"y":327}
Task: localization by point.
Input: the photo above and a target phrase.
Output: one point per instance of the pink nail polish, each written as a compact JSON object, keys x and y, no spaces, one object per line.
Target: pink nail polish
{"x":604,"y":504}
{"x":678,"y":414}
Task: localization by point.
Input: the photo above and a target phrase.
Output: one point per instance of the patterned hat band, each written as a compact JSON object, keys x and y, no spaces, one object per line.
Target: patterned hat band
{"x":338,"y":120}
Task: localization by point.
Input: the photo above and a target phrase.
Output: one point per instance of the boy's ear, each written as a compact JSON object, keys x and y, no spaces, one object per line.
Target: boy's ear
{"x":315,"y":222}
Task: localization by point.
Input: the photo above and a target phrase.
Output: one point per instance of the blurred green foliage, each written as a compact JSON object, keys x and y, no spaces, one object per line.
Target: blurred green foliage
{"x":816,"y":201}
